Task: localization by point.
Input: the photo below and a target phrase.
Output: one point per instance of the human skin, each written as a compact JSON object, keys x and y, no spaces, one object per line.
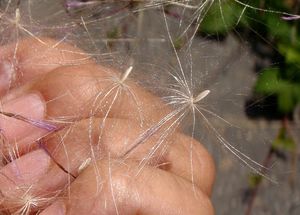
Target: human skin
{"x":58,"y":83}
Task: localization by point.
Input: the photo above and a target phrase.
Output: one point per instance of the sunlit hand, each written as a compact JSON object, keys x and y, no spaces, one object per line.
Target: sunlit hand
{"x":73,"y":122}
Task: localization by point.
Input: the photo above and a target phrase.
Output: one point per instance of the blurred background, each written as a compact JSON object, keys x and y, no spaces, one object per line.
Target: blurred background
{"x":246,"y":53}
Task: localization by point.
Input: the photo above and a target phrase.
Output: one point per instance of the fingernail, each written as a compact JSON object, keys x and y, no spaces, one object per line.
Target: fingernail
{"x":30,"y":106}
{"x":58,"y":208}
{"x":26,"y":170}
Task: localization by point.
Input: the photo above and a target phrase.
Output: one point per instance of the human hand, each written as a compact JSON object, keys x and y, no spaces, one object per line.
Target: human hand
{"x":72,"y":161}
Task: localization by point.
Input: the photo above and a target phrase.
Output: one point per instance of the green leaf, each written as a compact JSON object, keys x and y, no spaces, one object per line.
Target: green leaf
{"x":284,"y":141}
{"x":268,"y":82}
{"x":254,"y":180}
{"x":178,"y":43}
{"x":279,"y":29}
{"x":291,"y":53}
{"x":296,"y":93}
{"x":286,"y":102}
{"x":113,"y":34}
{"x":221,"y":18}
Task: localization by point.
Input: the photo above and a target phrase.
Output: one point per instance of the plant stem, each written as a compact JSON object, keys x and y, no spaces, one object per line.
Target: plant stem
{"x":266,"y":163}
{"x":254,"y":190}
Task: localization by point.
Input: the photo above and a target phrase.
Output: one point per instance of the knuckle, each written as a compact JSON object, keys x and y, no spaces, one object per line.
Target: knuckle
{"x":202,"y":159}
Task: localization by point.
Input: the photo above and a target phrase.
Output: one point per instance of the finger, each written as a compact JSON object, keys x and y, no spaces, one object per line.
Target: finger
{"x":81,"y":91}
{"x":17,"y":178}
{"x":189,"y":159}
{"x":177,"y":153}
{"x":72,"y":149}
{"x":120,"y":191}
{"x":30,"y":106}
{"x":27,"y":59}
{"x":73,"y":93}
{"x":87,"y":140}
{"x":31,"y":182}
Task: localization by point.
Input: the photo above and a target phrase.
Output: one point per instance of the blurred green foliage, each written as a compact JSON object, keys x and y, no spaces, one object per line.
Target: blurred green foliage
{"x":254,"y":180}
{"x":266,"y":23}
{"x":284,"y":141}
